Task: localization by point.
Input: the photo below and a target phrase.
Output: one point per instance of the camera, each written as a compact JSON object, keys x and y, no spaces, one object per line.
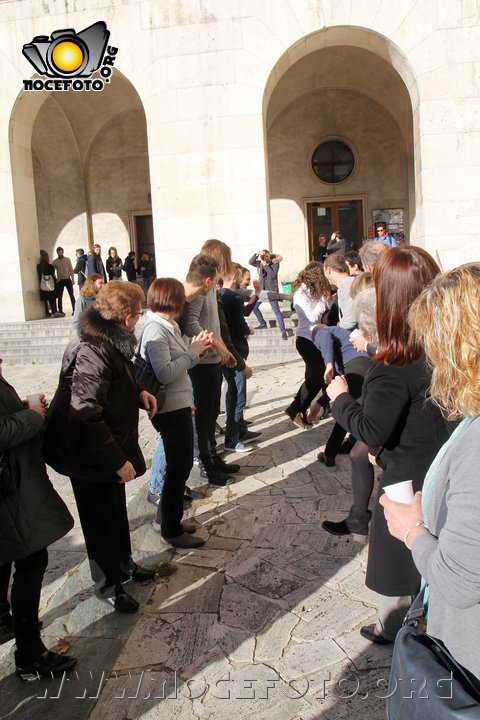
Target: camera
{"x":262,"y":256}
{"x":67,"y":53}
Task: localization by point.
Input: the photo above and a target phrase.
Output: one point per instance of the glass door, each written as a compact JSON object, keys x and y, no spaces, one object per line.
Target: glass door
{"x":324,"y":218}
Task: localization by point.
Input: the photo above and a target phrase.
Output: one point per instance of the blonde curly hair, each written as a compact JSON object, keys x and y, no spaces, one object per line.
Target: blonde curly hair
{"x":446,"y":317}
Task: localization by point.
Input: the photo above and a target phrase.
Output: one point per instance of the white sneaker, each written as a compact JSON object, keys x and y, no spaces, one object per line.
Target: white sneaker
{"x":240,"y":447}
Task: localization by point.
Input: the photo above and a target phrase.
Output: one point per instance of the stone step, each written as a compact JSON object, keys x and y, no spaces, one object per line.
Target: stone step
{"x":44,"y":341}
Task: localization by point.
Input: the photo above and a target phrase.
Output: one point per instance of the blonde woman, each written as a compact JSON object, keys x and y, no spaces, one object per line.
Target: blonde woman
{"x":91,"y":287}
{"x":441,"y":526}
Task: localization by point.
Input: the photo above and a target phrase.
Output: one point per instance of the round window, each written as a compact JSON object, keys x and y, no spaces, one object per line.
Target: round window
{"x":333,"y":161}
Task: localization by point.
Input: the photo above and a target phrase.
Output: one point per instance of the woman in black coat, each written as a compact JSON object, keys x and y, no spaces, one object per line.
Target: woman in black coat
{"x":92,"y":435}
{"x":32,"y":516}
{"x":95,"y":262}
{"x":114,"y":265}
{"x":403,"y":429}
{"x":49,"y":297}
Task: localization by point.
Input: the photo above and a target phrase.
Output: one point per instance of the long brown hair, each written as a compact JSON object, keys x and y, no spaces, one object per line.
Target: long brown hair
{"x":400,"y":274}
{"x":221,"y":253}
{"x":314,"y":280}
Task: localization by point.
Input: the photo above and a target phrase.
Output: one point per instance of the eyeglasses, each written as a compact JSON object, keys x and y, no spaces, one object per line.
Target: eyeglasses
{"x":140,"y":313}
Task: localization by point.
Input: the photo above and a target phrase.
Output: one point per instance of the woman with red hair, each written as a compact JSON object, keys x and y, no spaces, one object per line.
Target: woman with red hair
{"x":402,"y":428}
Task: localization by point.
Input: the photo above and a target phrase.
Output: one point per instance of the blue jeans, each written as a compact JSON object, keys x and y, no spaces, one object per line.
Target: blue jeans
{"x":276,"y":309}
{"x":157,"y":471}
{"x":241,"y":383}
{"x":146,"y":282}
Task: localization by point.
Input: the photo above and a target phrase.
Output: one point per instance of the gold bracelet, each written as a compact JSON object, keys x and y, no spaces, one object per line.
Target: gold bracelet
{"x":417,"y":524}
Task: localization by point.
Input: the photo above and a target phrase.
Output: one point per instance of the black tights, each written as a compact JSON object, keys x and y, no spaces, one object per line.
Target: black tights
{"x":25,"y":601}
{"x":362,"y":482}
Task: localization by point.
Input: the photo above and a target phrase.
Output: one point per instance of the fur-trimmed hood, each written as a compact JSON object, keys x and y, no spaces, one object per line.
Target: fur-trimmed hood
{"x":122,"y":339}
{"x":275,"y":258}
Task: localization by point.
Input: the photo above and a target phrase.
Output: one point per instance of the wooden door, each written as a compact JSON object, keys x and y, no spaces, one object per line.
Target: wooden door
{"x":327,"y":217}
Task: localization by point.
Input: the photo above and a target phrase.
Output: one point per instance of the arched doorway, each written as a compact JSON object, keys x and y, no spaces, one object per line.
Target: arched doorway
{"x":80,"y":172}
{"x":339,"y":89}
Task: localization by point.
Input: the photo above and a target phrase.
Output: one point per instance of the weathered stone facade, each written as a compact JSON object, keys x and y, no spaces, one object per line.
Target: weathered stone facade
{"x":211,"y":118}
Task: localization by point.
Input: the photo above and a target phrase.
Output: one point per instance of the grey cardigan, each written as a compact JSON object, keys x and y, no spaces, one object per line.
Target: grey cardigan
{"x":203,"y":315}
{"x":449,"y":558}
{"x":170,"y":358}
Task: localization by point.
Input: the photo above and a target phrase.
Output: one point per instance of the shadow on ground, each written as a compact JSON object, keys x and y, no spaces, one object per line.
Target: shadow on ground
{"x":261,"y":621}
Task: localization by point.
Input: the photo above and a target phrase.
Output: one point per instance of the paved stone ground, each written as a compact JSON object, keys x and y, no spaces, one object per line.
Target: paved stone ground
{"x":263,"y":621}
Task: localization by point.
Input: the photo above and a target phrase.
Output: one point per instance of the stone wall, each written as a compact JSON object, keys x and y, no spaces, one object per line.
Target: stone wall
{"x":208,"y":76}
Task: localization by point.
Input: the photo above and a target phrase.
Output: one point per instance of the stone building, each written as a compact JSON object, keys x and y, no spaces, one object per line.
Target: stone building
{"x":260,"y":122}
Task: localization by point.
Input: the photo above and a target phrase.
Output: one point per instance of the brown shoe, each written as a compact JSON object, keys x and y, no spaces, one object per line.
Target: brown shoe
{"x":185,"y":540}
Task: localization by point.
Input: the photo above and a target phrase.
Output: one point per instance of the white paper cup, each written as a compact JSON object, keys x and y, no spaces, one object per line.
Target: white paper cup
{"x":401,"y":492}
{"x":33,"y":399}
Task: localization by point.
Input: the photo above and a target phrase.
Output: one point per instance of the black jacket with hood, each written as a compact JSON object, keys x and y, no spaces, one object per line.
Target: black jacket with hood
{"x":92,"y":424}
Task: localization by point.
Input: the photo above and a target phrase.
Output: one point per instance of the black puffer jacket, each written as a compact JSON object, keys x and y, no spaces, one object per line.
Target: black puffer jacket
{"x":92,"y":424}
{"x":32,"y":514}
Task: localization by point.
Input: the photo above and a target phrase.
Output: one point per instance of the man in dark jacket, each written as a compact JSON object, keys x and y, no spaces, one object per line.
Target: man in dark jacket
{"x":32,"y":516}
{"x":80,"y":267}
{"x":129,"y":267}
{"x":146,"y":270}
{"x":236,"y":430}
{"x":268,"y":265}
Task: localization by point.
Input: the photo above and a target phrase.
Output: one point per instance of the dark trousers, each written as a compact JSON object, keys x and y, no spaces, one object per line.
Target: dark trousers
{"x":207,"y":386}
{"x":177,"y":434}
{"x":314,"y":372}
{"x":50,"y":304}
{"x":102,"y":509}
{"x":25,"y":601}
{"x":61,"y":285}
{"x":231,"y":398}
{"x":354,"y":372}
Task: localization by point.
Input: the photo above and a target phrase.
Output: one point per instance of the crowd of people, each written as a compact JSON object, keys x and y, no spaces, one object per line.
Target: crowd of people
{"x":54,"y":277}
{"x":391,"y":350}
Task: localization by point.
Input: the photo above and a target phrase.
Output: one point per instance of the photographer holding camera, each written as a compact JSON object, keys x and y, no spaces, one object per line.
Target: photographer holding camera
{"x":268,"y":265}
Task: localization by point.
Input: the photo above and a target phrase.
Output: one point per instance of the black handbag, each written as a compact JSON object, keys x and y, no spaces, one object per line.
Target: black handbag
{"x":145,"y":376}
{"x":426,"y":682}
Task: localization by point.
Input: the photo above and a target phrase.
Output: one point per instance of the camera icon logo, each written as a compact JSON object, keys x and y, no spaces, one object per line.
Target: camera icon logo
{"x":67,"y":54}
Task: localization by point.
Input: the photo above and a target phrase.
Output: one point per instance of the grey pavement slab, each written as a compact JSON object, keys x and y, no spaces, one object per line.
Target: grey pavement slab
{"x":263,"y":621}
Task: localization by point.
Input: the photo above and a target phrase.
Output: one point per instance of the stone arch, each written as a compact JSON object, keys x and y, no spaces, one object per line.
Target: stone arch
{"x":338,"y":69}
{"x":54,"y":136}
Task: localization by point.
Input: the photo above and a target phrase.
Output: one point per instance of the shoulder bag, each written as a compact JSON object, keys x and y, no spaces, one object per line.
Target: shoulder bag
{"x":47,"y":283}
{"x":426,"y":682}
{"x":145,"y":376}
